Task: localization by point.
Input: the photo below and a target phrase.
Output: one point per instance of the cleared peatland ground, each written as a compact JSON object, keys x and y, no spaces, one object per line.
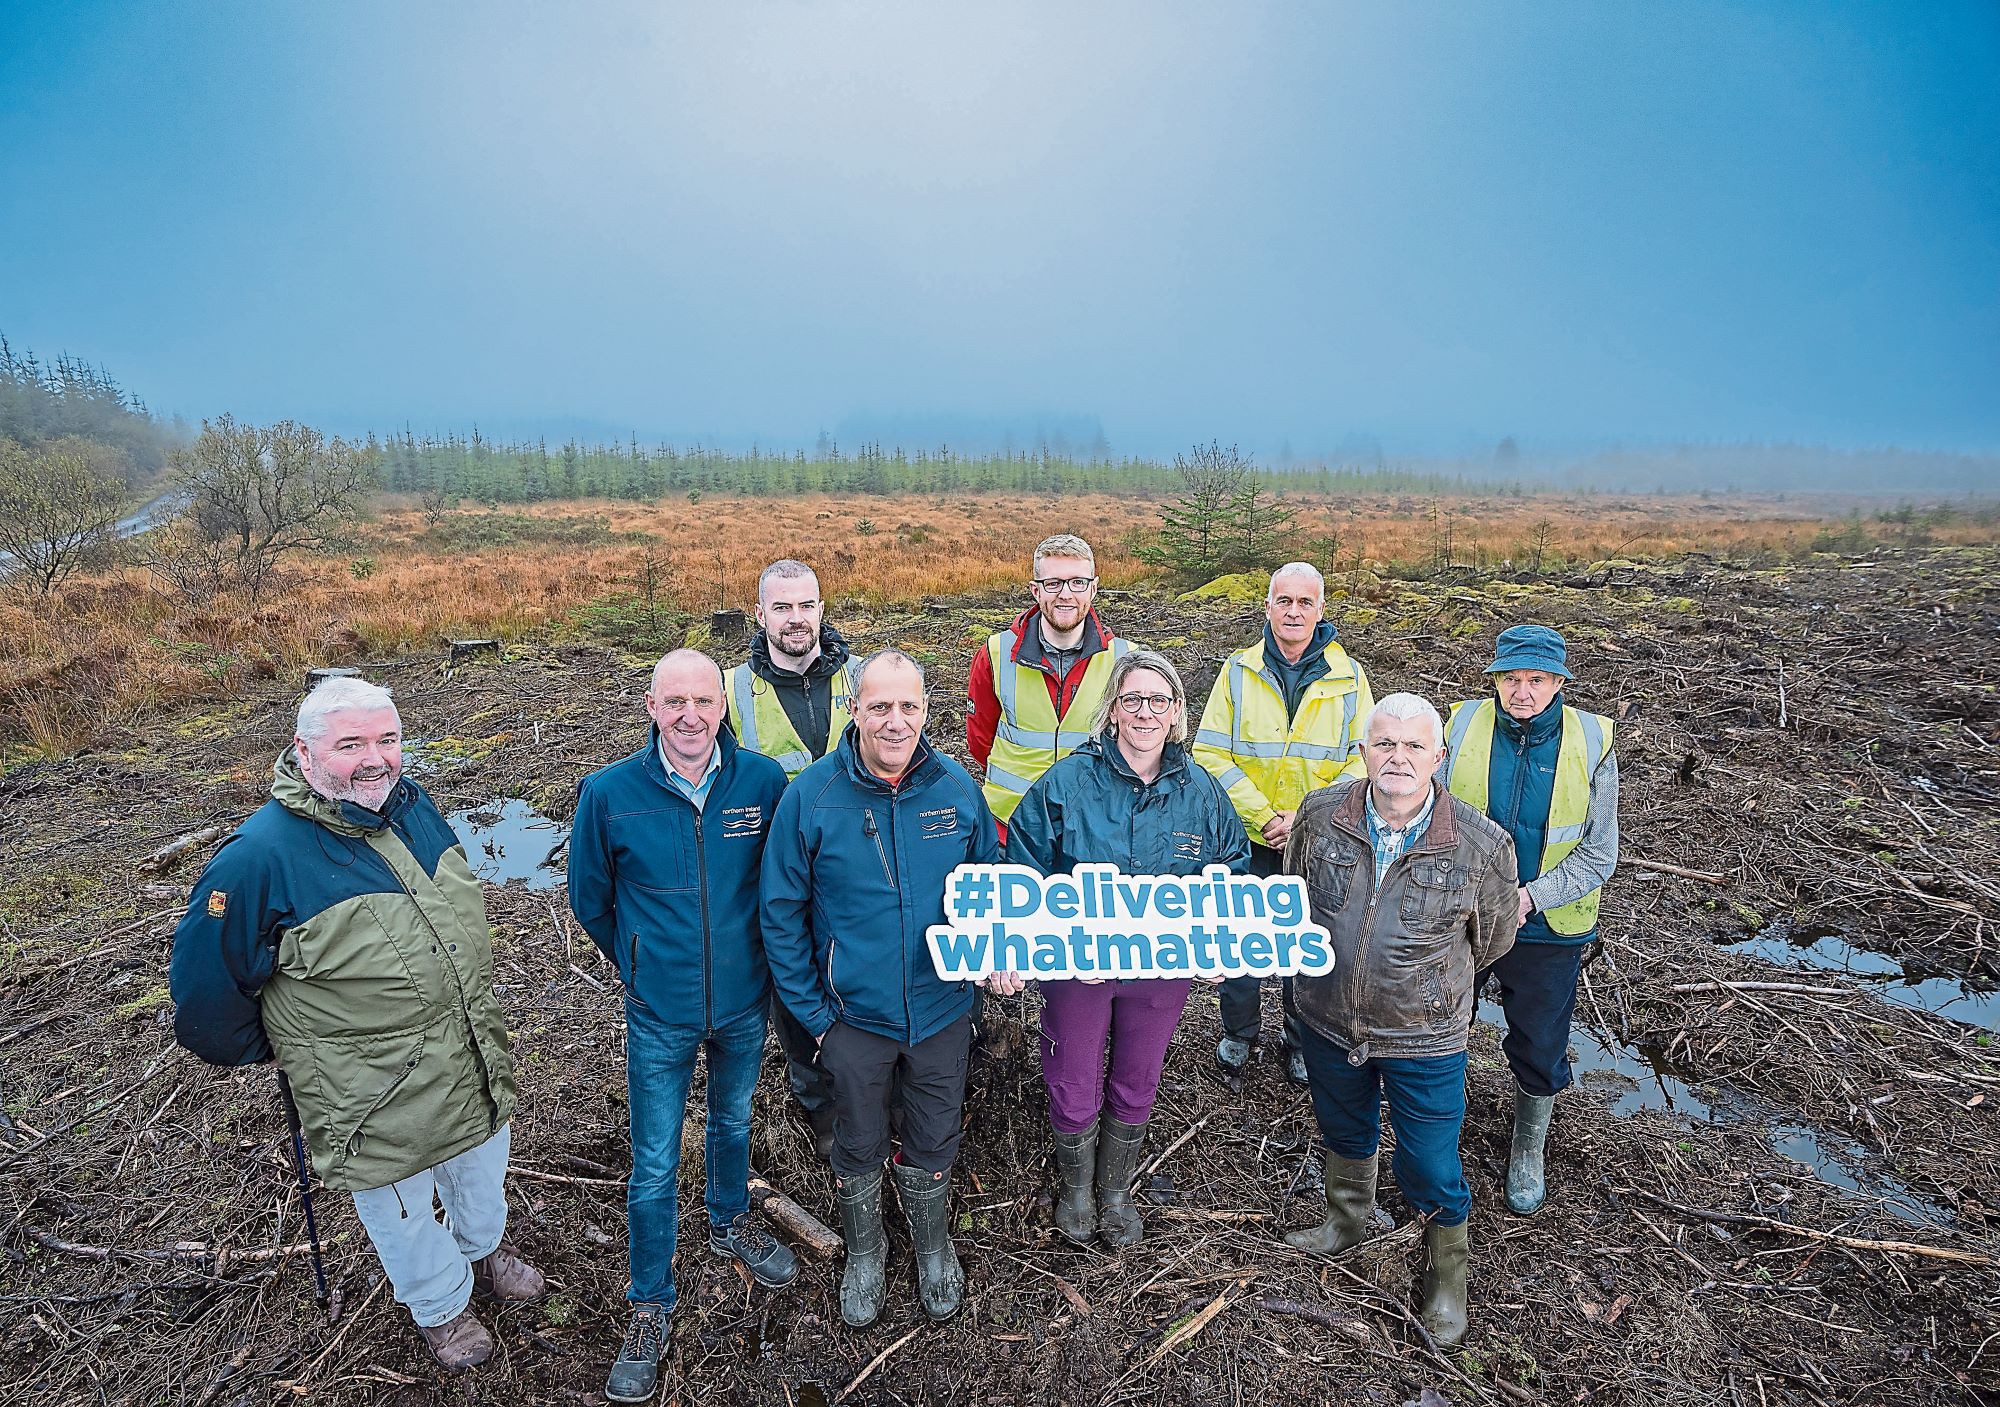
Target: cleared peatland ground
{"x":1775,"y":1182}
{"x":110,"y":651}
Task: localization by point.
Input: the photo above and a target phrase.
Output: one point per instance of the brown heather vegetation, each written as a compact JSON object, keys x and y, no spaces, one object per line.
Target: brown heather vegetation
{"x":108,"y":650}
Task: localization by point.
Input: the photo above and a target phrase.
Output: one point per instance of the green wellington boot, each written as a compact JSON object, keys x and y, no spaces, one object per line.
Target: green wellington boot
{"x":927,"y":1204}
{"x":1350,"y":1208}
{"x":1119,"y":1146}
{"x":864,"y":1279}
{"x":1076,"y":1186}
{"x":1443,"y":1286}
{"x":1527,"y":1187}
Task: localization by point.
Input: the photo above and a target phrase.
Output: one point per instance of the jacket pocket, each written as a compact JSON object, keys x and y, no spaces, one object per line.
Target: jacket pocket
{"x":1436,"y":894}
{"x":1438,"y":1003}
{"x":381,"y":1071}
{"x":1330,"y":875}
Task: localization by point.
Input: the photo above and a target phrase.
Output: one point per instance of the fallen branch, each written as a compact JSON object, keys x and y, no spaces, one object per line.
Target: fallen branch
{"x":1662,"y":867}
{"x":1316,"y":1314}
{"x":179,"y":1251}
{"x":795,"y":1221}
{"x":1149,"y":1169}
{"x":1795,"y":988}
{"x":877,"y":1361}
{"x":1855,"y":1243}
{"x":1193,"y":1326}
{"x":165,"y":857}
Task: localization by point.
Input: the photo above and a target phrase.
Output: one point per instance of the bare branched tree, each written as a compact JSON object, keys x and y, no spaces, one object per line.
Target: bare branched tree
{"x":254,"y":496}
{"x":59,"y":507}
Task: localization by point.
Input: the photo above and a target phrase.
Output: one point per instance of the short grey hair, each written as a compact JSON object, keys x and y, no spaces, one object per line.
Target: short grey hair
{"x":1404,"y":706}
{"x":341,"y":694}
{"x":784,"y":569}
{"x":1142,"y":659}
{"x":870,"y":661}
{"x":1062,"y":545}
{"x":1297,"y":569}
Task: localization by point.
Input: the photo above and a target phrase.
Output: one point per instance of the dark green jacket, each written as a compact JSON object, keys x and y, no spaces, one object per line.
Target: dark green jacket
{"x":353,"y":946}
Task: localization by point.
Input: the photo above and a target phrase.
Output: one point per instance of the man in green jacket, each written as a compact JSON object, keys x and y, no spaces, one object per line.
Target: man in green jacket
{"x":341,"y":932}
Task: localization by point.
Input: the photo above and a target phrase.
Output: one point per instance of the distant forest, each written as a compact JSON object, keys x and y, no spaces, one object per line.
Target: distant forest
{"x":42,"y":401}
{"x":473,"y":467}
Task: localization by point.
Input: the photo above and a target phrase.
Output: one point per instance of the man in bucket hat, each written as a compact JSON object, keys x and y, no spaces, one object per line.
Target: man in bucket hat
{"x":1547,"y":774}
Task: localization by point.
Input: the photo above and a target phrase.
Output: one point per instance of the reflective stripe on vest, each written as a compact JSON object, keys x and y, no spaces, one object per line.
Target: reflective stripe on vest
{"x":1030,"y":739}
{"x":762,"y":725}
{"x":1264,"y":742}
{"x":1586,"y":737}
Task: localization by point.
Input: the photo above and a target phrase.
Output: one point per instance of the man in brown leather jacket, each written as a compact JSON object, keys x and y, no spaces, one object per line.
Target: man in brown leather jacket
{"x":1417,"y":890}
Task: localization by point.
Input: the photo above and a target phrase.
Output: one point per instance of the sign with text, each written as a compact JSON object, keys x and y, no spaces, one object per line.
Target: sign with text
{"x":1096,"y":922}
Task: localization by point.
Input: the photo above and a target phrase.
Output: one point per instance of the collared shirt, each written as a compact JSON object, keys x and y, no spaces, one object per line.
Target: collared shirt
{"x":1390,"y":844}
{"x":697,"y":792}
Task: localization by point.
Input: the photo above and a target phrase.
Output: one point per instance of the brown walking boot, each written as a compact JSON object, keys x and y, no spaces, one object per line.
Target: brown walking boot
{"x":459,"y":1343}
{"x":503,"y":1275}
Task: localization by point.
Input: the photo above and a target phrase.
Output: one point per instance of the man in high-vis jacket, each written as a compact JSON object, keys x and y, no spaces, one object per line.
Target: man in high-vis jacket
{"x":1035,"y":687}
{"x":341,"y":932}
{"x":1548,"y":775}
{"x":1285,"y":717}
{"x":789,"y":701}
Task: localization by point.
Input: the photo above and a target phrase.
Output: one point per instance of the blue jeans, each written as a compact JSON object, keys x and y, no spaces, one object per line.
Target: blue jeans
{"x":1538,"y":993}
{"x":1426,"y":1108}
{"x":429,"y":1264}
{"x":659,"y":1067}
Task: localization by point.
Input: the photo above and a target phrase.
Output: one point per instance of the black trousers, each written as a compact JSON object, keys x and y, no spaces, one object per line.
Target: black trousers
{"x":1242,"y":997}
{"x":926,"y":1081}
{"x":1538,"y":993}
{"x":803,"y":1071}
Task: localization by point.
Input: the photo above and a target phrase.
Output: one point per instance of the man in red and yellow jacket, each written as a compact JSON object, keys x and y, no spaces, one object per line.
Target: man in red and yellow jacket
{"x":1033,"y":689}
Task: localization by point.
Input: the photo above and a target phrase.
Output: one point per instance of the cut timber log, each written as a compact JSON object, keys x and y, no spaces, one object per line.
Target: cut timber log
{"x":169,"y":854}
{"x":473,"y":649}
{"x":798,"y":1223}
{"x":317,"y":677}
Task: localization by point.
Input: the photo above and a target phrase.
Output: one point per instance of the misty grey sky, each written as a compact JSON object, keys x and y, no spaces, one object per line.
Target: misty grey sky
{"x":1264,"y":222}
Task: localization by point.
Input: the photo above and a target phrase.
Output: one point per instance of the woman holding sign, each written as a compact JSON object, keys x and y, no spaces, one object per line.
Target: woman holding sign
{"x":1129,"y":797}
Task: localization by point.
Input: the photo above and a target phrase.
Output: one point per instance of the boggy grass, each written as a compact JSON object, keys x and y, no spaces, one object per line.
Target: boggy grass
{"x":109,"y":650}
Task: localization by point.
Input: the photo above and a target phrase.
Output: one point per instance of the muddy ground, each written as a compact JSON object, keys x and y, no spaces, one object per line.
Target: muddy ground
{"x":1819,"y":741}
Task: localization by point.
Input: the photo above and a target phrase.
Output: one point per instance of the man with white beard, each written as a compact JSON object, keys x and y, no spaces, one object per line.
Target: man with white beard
{"x":341,"y":932}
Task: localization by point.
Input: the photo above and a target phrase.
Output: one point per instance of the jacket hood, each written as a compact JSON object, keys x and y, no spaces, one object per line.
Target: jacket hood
{"x":833,"y":656}
{"x":1324,"y":634}
{"x":1540,"y":728}
{"x":1173,"y":759}
{"x":291,"y":790}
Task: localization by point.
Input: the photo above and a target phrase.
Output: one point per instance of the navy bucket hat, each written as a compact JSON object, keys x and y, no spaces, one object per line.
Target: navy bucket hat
{"x":1530,"y":647}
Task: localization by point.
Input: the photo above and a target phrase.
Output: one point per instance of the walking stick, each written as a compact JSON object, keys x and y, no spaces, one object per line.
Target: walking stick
{"x":305,"y":1184}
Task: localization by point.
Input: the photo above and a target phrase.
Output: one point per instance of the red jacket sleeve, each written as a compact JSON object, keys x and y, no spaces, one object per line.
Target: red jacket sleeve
{"x":982,"y":713}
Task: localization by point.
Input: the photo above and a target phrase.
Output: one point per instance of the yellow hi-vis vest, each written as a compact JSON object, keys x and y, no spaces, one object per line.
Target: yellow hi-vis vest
{"x":1586,"y":737}
{"x":1266,"y":761}
{"x":1030,"y":738}
{"x":762,"y":725}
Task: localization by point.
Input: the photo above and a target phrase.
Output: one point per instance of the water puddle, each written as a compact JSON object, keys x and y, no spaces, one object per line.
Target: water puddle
{"x":508,"y":840}
{"x":1905,"y":985}
{"x":1647,"y":1082}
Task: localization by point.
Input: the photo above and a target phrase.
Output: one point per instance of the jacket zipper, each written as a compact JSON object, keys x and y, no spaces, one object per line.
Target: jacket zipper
{"x":383,"y":1097}
{"x":707,"y":958}
{"x":874,"y":833}
{"x":443,"y":949}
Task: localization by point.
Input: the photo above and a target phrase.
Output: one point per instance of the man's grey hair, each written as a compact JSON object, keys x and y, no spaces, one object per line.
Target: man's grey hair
{"x":683,"y":656}
{"x":784,"y":569}
{"x":869,"y":662}
{"x":1297,"y":569}
{"x":1160,"y":665}
{"x":1404,"y":706}
{"x":1062,"y":545}
{"x":339,"y":695}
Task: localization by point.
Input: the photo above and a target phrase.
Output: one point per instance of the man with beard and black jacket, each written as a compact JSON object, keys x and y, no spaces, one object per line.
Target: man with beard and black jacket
{"x":789,"y":701}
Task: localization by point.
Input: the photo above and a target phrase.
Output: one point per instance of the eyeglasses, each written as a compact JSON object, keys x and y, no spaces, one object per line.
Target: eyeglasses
{"x":1151,"y":703}
{"x":1056,"y":585}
